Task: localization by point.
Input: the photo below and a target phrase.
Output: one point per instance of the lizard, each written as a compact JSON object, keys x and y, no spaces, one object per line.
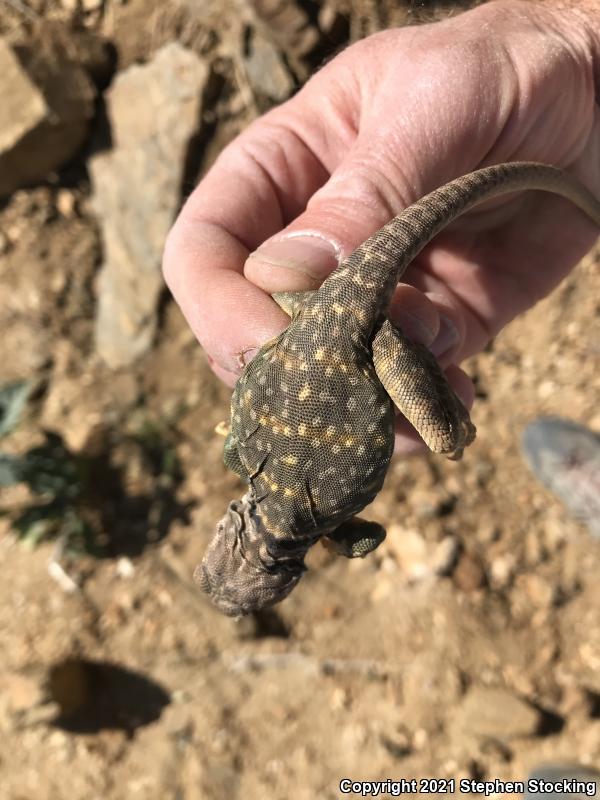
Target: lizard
{"x":312,"y":414}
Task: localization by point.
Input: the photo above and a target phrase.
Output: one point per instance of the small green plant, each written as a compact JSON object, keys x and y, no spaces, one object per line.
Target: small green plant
{"x":81,"y":498}
{"x":53,"y":474}
{"x":13,"y":399}
{"x":156,"y":443}
{"x":58,"y":478}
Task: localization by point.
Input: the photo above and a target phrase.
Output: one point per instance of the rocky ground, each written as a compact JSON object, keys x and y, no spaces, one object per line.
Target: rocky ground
{"x":467,"y":646}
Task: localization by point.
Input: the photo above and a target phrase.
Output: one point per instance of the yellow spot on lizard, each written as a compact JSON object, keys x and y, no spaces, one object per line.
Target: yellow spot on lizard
{"x":304,"y":392}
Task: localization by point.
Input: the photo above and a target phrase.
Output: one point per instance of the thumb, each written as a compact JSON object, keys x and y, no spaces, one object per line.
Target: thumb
{"x":355,"y":202}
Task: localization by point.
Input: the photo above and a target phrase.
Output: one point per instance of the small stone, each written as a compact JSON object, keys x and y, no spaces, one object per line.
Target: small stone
{"x":469,"y":574}
{"x":488,"y":532}
{"x":266,"y":70}
{"x":288,"y":24}
{"x":382,"y":590}
{"x":125,"y":568}
{"x":546,"y":389}
{"x":569,"y":781}
{"x":425,"y":502}
{"x":47,"y":104}
{"x":14,"y":232}
{"x":330,"y":19}
{"x":445,"y":555}
{"x":498,"y":751}
{"x":450,"y":767}
{"x":354,"y":737}
{"x":154,"y":111}
{"x":26,"y":351}
{"x":339,"y":699}
{"x":565,"y":457}
{"x":58,"y":740}
{"x":22,"y":692}
{"x":65,"y":202}
{"x":420,"y":738}
{"x":594,"y":423}
{"x":388,"y":565}
{"x":534,"y":550}
{"x":398,"y":743}
{"x":497,"y":713}
{"x":540,"y":592}
{"x":502,"y":570}
{"x":409,"y":549}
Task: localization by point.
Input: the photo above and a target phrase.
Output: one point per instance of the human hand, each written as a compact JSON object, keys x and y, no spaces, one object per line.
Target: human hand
{"x":388,"y":120}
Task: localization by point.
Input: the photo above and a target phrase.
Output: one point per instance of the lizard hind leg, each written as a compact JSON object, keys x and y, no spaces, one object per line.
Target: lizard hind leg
{"x":355,"y":538}
{"x":413,"y":379}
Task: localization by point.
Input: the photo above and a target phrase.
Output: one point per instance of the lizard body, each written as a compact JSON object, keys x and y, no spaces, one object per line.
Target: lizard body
{"x":312,"y":415}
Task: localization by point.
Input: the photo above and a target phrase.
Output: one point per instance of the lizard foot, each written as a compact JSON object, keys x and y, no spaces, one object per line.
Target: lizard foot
{"x":413,"y":379}
{"x":354,"y":538}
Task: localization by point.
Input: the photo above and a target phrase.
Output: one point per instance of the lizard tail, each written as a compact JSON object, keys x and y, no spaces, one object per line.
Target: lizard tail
{"x":364,"y":281}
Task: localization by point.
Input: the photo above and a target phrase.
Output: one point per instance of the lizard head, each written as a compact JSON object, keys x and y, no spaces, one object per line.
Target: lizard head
{"x":237,"y":570}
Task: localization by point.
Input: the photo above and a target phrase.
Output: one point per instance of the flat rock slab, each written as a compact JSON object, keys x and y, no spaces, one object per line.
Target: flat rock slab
{"x":266,"y":70}
{"x":47,"y":103}
{"x":497,"y":714}
{"x":154,"y":111}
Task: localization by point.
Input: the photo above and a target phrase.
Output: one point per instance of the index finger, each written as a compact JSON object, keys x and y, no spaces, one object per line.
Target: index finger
{"x":259,"y":183}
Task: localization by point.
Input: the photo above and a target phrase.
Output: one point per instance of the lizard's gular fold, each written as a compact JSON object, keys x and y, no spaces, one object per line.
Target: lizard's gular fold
{"x":237,"y":571}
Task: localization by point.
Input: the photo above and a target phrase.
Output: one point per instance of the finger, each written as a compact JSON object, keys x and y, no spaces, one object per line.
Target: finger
{"x":433,"y":318}
{"x":361,"y":196}
{"x":429,"y":319}
{"x":260,"y":182}
{"x":415,"y":314}
{"x":273,"y":171}
{"x":452,"y":330}
{"x":229,"y":378}
{"x":227,"y":314}
{"x":463,"y":330}
{"x":387,"y":167}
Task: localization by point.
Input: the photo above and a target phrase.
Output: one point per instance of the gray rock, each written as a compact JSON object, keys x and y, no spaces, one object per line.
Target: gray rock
{"x":497,"y":714}
{"x":154,"y":112}
{"x":559,"y":782}
{"x":565,"y":457}
{"x":47,"y":103}
{"x":266,"y":70}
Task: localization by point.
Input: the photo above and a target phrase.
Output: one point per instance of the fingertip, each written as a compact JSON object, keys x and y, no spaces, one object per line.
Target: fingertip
{"x":296,"y":261}
{"x":450,"y":337}
{"x":407,"y":442}
{"x":229,"y":378}
{"x":415,"y":314}
{"x":462,"y":385}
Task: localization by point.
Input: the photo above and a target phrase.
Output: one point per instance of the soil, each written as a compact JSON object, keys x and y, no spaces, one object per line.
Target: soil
{"x":132,"y":685}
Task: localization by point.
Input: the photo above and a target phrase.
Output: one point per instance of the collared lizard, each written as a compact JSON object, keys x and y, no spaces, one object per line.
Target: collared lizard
{"x":312,"y":415}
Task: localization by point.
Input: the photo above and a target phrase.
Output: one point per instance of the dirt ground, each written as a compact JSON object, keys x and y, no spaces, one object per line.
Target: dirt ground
{"x":132,"y":685}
